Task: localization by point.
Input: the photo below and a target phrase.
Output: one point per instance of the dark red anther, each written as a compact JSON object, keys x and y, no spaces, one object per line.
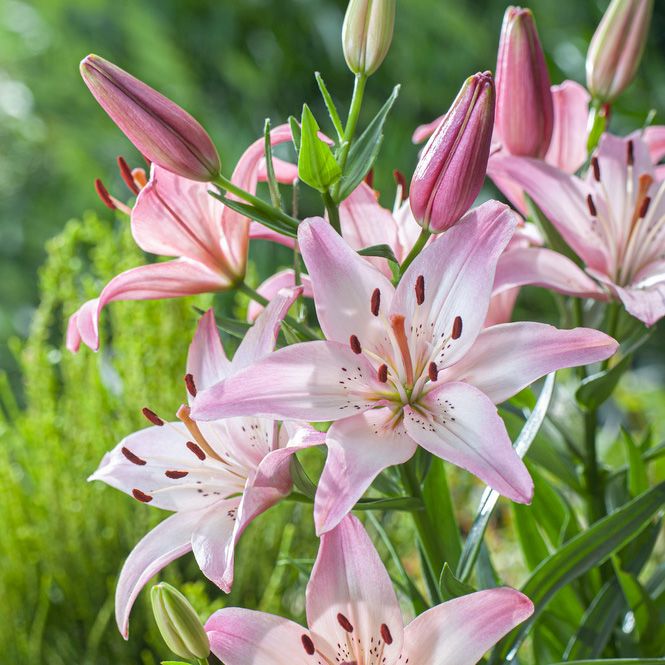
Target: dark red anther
{"x":355,"y":344}
{"x":591,"y":205}
{"x":191,"y":386}
{"x":433,"y":371}
{"x":369,"y":178}
{"x":383,"y":373}
{"x":126,"y":174}
{"x":134,"y":459}
{"x":141,"y":496}
{"x":345,"y":623}
{"x":420,"y":289}
{"x":196,"y":450}
{"x":103,"y":194}
{"x":385,"y":634}
{"x":308,"y":645}
{"x":152,"y":416}
{"x":644,"y":208}
{"x":596,"y":168}
{"x":375,"y":303}
{"x":457,"y":327}
{"x":176,"y":475}
{"x":400,"y":180}
{"x":630,"y":153}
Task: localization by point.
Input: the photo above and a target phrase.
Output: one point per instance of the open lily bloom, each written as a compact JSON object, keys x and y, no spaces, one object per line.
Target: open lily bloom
{"x":614,"y":219}
{"x":406,"y":366}
{"x":177,"y":217}
{"x":215,"y":476}
{"x":354,"y":618}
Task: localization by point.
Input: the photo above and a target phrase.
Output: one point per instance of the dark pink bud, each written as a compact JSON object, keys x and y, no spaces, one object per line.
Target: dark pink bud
{"x":160,"y":129}
{"x":452,"y":167}
{"x":524,"y":107}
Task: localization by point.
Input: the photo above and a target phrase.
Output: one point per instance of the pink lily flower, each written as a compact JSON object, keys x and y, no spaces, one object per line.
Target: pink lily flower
{"x":354,"y":617}
{"x":177,"y":217}
{"x":215,"y":476}
{"x":406,"y":366}
{"x":614,"y":219}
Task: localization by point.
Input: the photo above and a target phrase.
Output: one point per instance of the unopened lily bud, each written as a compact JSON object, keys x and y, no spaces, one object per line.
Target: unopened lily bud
{"x":367,"y":34}
{"x":160,"y":129}
{"x":178,"y":623}
{"x":524,"y":107}
{"x":452,"y":168}
{"x":616,"y":48}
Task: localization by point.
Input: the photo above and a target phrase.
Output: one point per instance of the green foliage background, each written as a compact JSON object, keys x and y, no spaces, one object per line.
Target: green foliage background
{"x":232,"y":64}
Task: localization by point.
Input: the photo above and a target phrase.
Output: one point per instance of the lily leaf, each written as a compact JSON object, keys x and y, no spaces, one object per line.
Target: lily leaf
{"x":295,"y":133}
{"x":597,"y":388}
{"x":317,"y":165}
{"x":450,"y":586}
{"x":490,"y":497}
{"x":579,"y":555}
{"x":382,"y":251}
{"x":330,"y":105}
{"x":616,"y":661}
{"x":364,"y":151}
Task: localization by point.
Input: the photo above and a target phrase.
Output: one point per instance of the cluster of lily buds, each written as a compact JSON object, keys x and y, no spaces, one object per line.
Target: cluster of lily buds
{"x":451,"y":170}
{"x":616,"y":48}
{"x":162,"y":131}
{"x":524,"y":107}
{"x":367,"y":34}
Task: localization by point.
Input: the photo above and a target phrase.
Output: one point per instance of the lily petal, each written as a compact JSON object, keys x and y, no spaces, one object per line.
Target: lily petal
{"x":283,"y":279}
{"x":539,"y":266}
{"x":213,"y":543}
{"x":155,"y":281}
{"x":507,"y":358}
{"x":654,"y":137}
{"x":313,"y":381}
{"x":261,"y":337}
{"x":562,"y":198}
{"x":359,"y":448}
{"x":567,"y":149}
{"x":458,"y":271}
{"x":343,"y":284}
{"x":259,"y":232}
{"x":206,"y":360}
{"x":462,"y":426}
{"x":461,"y":630}
{"x":350,"y":592}
{"x":238,"y":637}
{"x":166,"y":542}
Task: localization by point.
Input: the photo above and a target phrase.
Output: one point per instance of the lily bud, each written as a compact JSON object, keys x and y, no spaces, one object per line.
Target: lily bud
{"x":616,"y":48}
{"x":160,"y":129}
{"x":178,"y":623}
{"x":451,"y":170}
{"x":367,"y":34}
{"x":524,"y":107}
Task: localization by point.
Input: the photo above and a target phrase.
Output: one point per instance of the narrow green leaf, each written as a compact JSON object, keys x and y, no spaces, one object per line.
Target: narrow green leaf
{"x":271,"y":221}
{"x":232,"y":327}
{"x":532,"y":544}
{"x":364,"y":151}
{"x":552,"y":235}
{"x":330,"y":105}
{"x":174,"y":662}
{"x":408,"y":503}
{"x":439,"y":506}
{"x":317,"y":165}
{"x":451,"y":587}
{"x":638,"y":481}
{"x":490,"y":497}
{"x":295,"y":133}
{"x":579,"y":555}
{"x":301,"y":480}
{"x":597,"y":388}
{"x":273,"y":187}
{"x":382,"y":251}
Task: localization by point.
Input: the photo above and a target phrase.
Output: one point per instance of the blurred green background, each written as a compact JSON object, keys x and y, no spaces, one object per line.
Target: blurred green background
{"x":231,"y":64}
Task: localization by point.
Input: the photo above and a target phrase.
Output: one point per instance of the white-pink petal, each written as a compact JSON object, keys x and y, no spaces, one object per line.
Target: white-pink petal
{"x":350,"y":592}
{"x":509,"y":357}
{"x":206,"y":360}
{"x":359,"y":448}
{"x":282,"y":279}
{"x":461,"y":425}
{"x":461,"y":630}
